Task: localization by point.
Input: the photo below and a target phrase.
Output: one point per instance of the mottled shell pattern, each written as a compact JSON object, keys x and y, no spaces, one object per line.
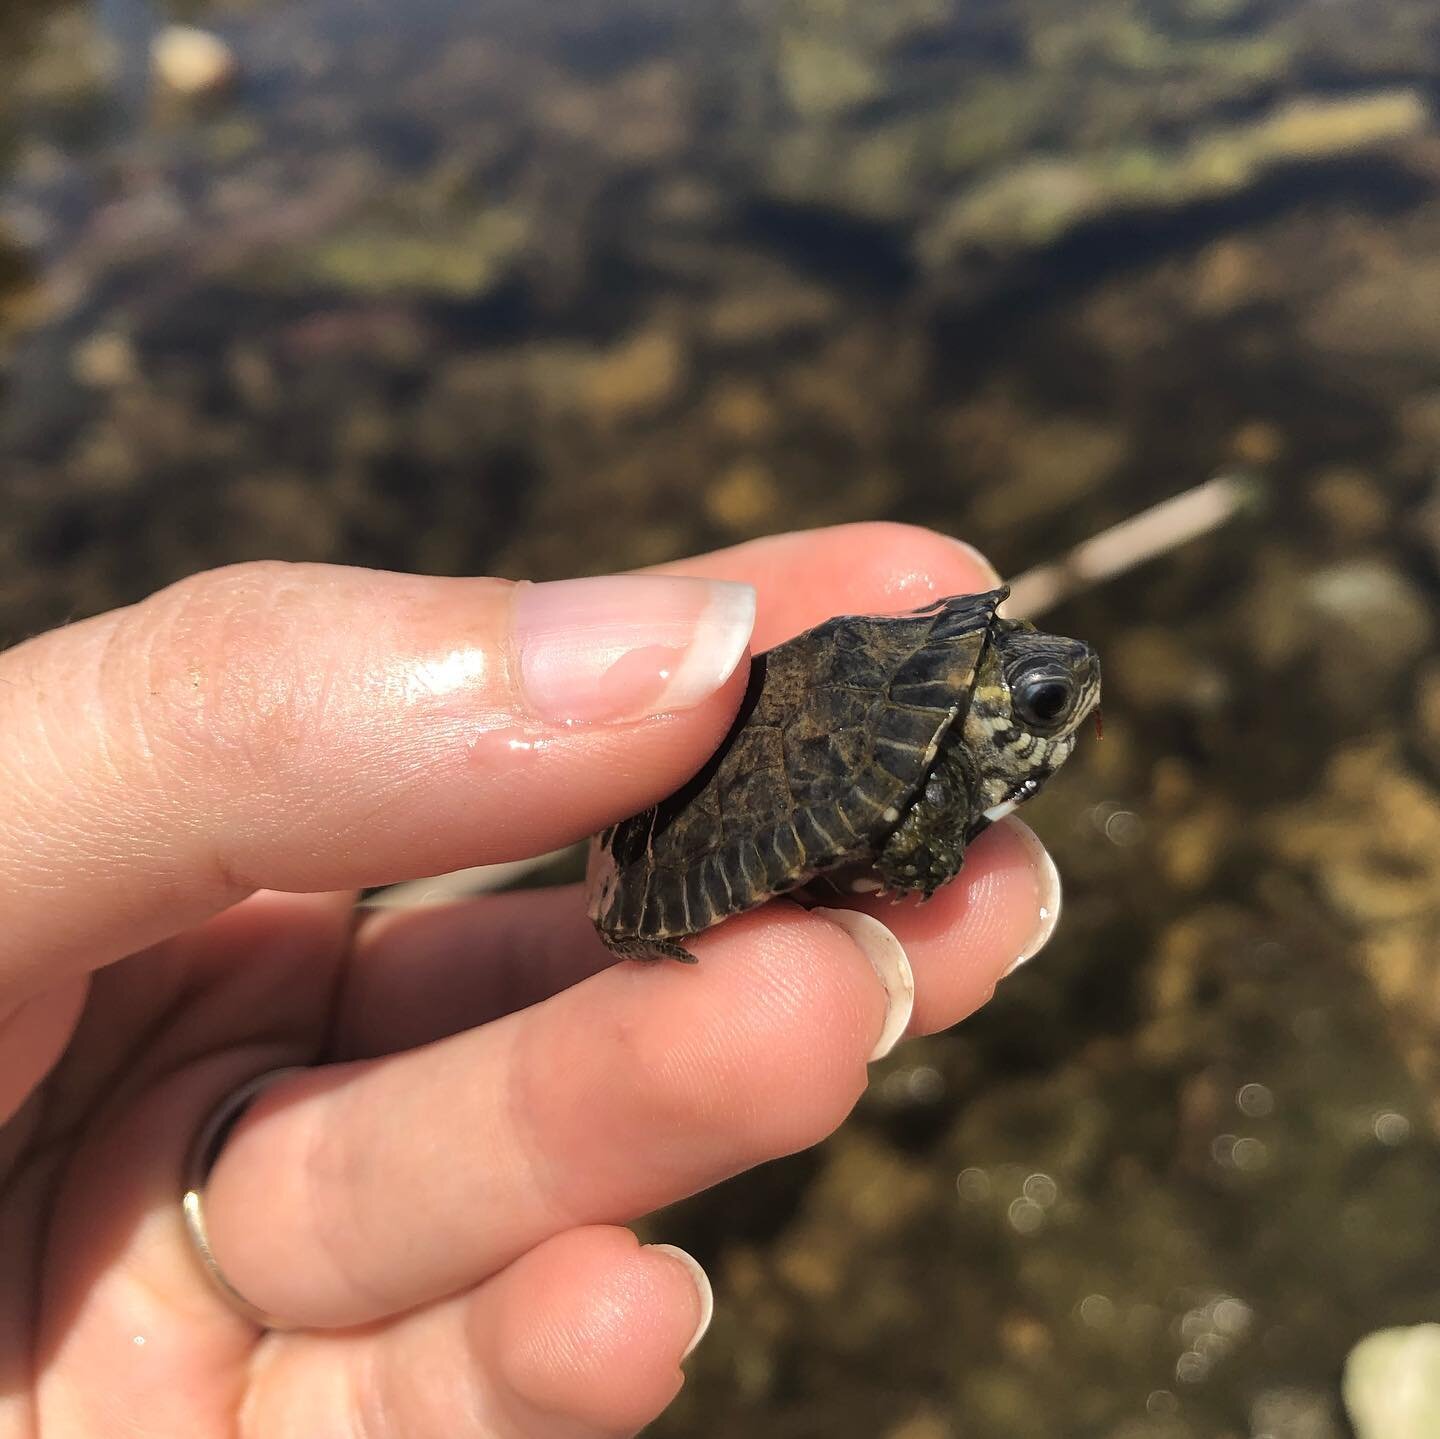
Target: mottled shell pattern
{"x":855,"y":749}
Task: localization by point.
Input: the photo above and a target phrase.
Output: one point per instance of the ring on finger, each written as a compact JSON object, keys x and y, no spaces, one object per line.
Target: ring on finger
{"x":205,"y":1150}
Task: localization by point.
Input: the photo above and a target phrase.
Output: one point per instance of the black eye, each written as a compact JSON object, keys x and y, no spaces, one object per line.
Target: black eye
{"x":1042,"y":701}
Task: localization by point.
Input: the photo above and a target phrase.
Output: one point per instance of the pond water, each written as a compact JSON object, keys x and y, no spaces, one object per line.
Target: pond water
{"x":537,"y":290}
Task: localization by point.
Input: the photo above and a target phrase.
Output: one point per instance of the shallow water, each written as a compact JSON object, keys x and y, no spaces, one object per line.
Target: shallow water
{"x":482,"y":288}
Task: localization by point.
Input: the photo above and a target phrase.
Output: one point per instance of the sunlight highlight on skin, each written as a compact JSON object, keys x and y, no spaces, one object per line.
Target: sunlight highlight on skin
{"x":455,"y":673}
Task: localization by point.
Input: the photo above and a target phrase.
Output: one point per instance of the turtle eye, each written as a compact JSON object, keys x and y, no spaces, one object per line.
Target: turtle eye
{"x":1043,"y":701}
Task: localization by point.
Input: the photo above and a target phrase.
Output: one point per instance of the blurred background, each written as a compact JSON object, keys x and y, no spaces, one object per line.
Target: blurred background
{"x":486,"y":285}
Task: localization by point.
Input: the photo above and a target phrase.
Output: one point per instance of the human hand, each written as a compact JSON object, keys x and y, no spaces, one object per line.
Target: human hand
{"x":194,"y":788}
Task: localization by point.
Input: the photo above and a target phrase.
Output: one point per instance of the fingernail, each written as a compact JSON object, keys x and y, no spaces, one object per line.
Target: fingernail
{"x":991,"y":574}
{"x":892,"y":967}
{"x":1047,"y":892}
{"x":625,"y":646}
{"x":703,"y":1291}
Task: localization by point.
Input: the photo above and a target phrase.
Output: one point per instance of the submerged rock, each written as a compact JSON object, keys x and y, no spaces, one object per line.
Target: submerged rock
{"x":73,"y":63}
{"x":1039,"y":199}
{"x":638,"y":376}
{"x":1371,"y":624}
{"x":457,"y":257}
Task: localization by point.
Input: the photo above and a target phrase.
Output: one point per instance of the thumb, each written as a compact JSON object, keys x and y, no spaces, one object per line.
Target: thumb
{"x":315,"y":728}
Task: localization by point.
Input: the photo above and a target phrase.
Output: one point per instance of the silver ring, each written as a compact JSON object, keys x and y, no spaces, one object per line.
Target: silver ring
{"x":203,"y":1153}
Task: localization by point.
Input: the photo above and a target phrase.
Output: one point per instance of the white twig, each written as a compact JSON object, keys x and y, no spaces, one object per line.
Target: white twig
{"x":1142,"y":537}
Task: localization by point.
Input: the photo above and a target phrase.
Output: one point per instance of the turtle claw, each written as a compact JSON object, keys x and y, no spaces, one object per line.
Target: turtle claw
{"x":650,"y":951}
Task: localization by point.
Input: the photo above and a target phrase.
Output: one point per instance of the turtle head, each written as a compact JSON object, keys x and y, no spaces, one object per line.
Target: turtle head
{"x":1032,"y":693}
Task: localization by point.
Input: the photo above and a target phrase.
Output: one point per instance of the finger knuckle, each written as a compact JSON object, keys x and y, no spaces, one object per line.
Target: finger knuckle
{"x":212,"y":671}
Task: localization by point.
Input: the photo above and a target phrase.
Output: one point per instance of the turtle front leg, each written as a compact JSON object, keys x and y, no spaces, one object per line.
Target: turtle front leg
{"x":649,"y":951}
{"x":918,"y":860}
{"x":927,"y":847}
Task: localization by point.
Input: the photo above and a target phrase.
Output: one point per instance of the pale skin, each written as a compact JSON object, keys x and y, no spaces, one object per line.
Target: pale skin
{"x":194,"y":788}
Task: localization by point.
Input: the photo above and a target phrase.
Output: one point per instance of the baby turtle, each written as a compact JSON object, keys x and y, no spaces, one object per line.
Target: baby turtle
{"x":870,"y":750}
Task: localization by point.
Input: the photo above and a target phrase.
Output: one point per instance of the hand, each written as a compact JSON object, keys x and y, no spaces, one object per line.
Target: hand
{"x":194,"y":788}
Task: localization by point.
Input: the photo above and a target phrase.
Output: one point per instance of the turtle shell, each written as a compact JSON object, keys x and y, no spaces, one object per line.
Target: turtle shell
{"x":835,"y":736}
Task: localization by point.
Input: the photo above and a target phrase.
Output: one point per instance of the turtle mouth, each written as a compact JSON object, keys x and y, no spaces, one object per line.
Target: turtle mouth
{"x":1028,"y":786}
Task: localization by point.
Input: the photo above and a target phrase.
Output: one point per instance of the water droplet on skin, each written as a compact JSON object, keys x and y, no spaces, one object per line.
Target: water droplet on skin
{"x":504,"y":748}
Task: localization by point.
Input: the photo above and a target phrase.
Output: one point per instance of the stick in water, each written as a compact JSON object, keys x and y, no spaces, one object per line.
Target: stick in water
{"x":1142,"y":537}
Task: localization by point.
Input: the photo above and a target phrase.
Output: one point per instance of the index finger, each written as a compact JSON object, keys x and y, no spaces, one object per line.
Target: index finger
{"x":319,"y":728}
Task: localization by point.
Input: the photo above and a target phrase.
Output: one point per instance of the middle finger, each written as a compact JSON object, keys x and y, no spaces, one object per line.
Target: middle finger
{"x":417,"y":975}
{"x":364,"y":1189}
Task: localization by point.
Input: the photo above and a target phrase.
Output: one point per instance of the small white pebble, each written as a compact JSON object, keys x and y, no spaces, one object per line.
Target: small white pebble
{"x":192,"y":61}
